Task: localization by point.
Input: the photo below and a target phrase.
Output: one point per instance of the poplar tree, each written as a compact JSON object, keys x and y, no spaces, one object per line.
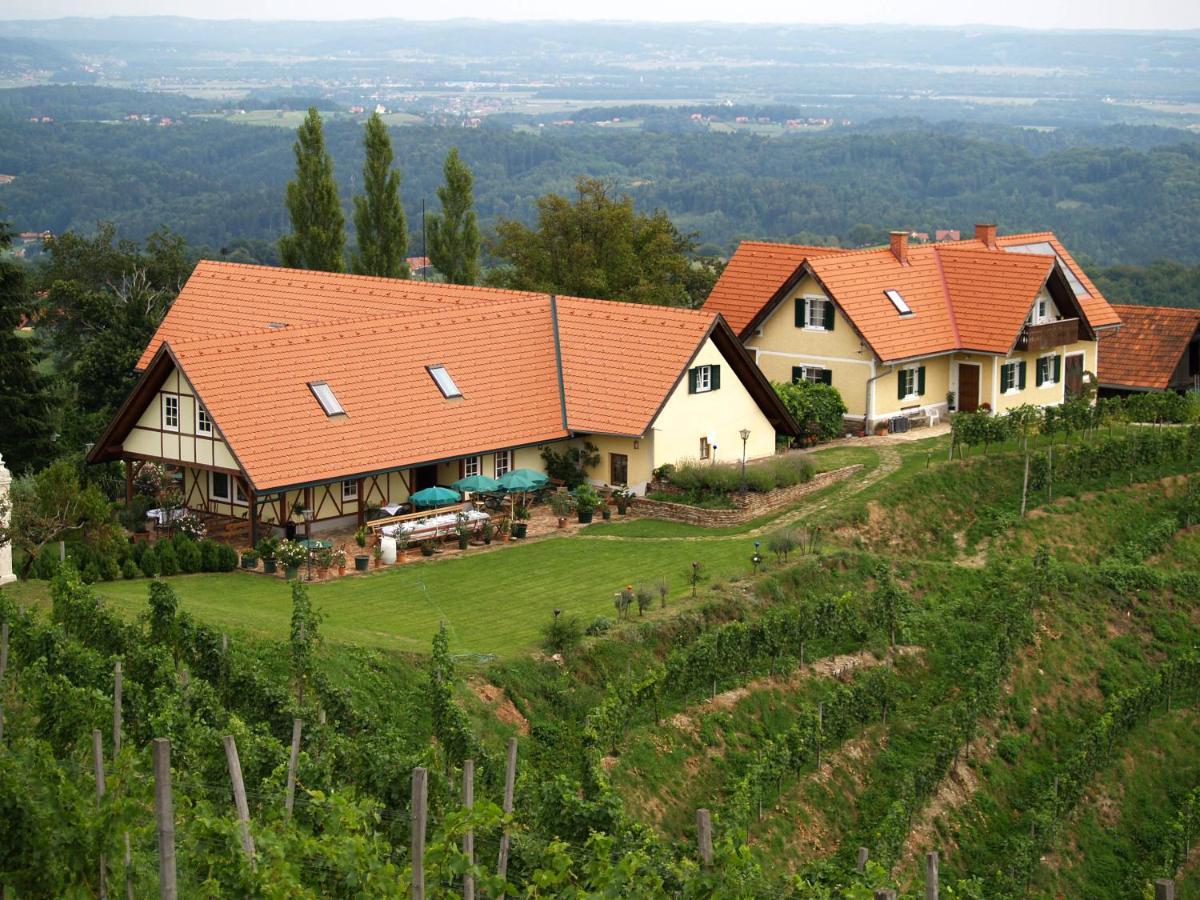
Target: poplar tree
{"x":379,"y":222}
{"x":318,"y":239}
{"x":454,"y":235}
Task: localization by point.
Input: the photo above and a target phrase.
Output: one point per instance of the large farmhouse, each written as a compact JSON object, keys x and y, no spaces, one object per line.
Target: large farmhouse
{"x":993,"y":321}
{"x":272,"y":388}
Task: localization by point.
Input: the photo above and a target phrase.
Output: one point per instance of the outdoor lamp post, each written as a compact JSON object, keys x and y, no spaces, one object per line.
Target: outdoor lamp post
{"x":308,"y":517}
{"x":744,"y":434}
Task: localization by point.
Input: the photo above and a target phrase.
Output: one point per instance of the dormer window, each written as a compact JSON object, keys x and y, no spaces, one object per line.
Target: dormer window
{"x":897,"y":301}
{"x":444,"y":382}
{"x":325,"y":396}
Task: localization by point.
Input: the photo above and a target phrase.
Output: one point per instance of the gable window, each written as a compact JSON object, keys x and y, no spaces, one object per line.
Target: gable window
{"x":349,"y":490}
{"x":326,"y":397}
{"x":239,"y":495}
{"x":503,"y":462}
{"x":219,"y":486}
{"x":704,"y":448}
{"x":811,"y":373}
{"x":910,"y":383}
{"x":814,"y":314}
{"x":897,"y":301}
{"x":444,"y":382}
{"x":170,"y":412}
{"x":1012,"y":377}
{"x":702,"y":379}
{"x":1049,"y":370}
{"x":204,"y":424}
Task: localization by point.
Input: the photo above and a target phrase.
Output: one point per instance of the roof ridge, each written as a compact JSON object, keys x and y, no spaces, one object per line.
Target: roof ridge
{"x":948,"y":299}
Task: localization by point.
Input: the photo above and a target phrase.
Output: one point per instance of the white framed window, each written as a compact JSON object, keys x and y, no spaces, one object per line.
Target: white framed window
{"x":811,"y":373}
{"x":170,"y":412}
{"x":816,"y":313}
{"x":219,"y":486}
{"x":1049,"y":370}
{"x":327,"y":398}
{"x":911,"y":382}
{"x":444,"y":382}
{"x":350,"y":490}
{"x":703,"y":379}
{"x":503,"y":462}
{"x":204,"y":424}
{"x":239,"y":495}
{"x":472,"y":465}
{"x":1012,"y":377}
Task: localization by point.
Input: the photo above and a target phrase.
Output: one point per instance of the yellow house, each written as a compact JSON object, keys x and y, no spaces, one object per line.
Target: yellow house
{"x":990,"y":322}
{"x":273,"y":389}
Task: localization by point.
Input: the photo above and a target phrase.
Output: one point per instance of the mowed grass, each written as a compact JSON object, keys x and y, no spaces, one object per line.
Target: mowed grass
{"x":493,"y":603}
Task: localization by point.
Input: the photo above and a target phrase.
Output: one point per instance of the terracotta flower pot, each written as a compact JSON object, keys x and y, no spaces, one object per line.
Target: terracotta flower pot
{"x":341,"y":570}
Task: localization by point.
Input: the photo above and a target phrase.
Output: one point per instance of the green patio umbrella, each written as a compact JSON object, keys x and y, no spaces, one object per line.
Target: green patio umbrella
{"x":435,"y":496}
{"x":522,"y":480}
{"x":476,"y":483}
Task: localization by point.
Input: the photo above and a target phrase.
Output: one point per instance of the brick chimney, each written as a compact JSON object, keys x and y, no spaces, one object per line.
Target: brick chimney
{"x":898,"y":241}
{"x":986,"y":234}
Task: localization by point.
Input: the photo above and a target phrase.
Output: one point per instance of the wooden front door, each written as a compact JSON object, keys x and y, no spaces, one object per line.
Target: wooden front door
{"x":968,"y":387}
{"x":618,"y":469}
{"x":424,"y":477}
{"x":1074,"y":375}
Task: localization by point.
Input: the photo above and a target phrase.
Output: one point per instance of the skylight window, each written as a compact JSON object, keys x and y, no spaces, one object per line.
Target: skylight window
{"x":1047,"y":249}
{"x":898,"y":302}
{"x":325,"y":396}
{"x":444,"y":382}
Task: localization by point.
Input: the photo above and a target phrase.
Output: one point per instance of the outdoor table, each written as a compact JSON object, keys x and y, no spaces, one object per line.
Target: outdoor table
{"x":393,"y":508}
{"x":435,"y":526}
{"x":314,"y":543}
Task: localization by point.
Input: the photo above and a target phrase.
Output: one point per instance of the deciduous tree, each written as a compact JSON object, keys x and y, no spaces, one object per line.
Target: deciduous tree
{"x":454,"y":235}
{"x":379,"y":224}
{"x":318,"y":236}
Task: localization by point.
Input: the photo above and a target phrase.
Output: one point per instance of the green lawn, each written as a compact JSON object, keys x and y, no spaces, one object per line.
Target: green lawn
{"x":492,"y":602}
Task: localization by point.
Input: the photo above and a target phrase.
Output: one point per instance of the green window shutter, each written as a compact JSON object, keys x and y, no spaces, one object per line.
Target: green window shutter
{"x":1006,"y":373}
{"x":691,"y":381}
{"x":921,"y":381}
{"x":1057,"y":369}
{"x":828,"y":315}
{"x":801,"y":312}
{"x":901,"y":378}
{"x":797,"y":374}
{"x":715,"y":377}
{"x":1021,"y":375}
{"x":1041,"y":372}
{"x":827,"y":376}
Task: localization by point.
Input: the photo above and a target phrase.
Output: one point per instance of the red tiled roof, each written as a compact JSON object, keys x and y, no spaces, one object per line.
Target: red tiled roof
{"x":1148,"y":347}
{"x":963,"y":294}
{"x":755,"y":272}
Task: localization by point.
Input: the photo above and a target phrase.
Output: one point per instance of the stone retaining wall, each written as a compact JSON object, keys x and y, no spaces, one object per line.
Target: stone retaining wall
{"x":756,"y":504}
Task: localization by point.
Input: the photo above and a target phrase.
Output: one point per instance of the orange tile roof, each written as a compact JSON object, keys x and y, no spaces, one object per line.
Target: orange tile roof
{"x":371,"y":340}
{"x":1148,"y":347}
{"x":964,"y":296}
{"x":755,"y":272}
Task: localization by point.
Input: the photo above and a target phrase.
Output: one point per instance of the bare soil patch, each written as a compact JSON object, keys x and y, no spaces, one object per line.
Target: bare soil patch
{"x":502,"y":708}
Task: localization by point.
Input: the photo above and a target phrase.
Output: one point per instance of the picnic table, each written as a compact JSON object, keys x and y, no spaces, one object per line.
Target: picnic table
{"x":437,"y":526}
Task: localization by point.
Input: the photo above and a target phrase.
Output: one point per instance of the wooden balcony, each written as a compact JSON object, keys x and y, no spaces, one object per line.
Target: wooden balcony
{"x":1049,"y":335}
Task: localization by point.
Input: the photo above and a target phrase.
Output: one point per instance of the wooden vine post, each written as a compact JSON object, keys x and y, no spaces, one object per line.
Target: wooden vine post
{"x":293,"y":759}
{"x":239,"y":796}
{"x":468,"y":800}
{"x":704,"y":832}
{"x":98,"y":767}
{"x":117,"y":688}
{"x":885,"y":895}
{"x":1025,"y":486}
{"x":418,"y":812}
{"x":931,"y":876}
{"x":510,"y":780}
{"x":165,"y":816}
{"x":860,"y":864}
{"x":1164,"y":889}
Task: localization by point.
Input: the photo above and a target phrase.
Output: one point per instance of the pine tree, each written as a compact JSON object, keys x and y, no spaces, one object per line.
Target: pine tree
{"x":25,"y":439}
{"x":317,"y":240}
{"x":454,"y":235}
{"x":379,"y":221}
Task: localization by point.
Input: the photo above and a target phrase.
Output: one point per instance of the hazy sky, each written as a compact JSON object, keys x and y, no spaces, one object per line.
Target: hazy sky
{"x":1026,"y":13}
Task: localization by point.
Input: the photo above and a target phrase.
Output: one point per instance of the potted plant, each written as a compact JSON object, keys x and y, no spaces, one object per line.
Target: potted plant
{"x":291,"y":554}
{"x":428,"y":547}
{"x":377,"y":552}
{"x":362,"y":559}
{"x":462,"y":527}
{"x":505,"y":529}
{"x":401,"y":548}
{"x":622,"y":498}
{"x":605,"y":509}
{"x":486,"y":532}
{"x":560,"y":502}
{"x":267,"y":548}
{"x":587,"y":501}
{"x":520,"y":525}
{"x":339,"y":560}
{"x":249,"y":560}
{"x":324,"y":561}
